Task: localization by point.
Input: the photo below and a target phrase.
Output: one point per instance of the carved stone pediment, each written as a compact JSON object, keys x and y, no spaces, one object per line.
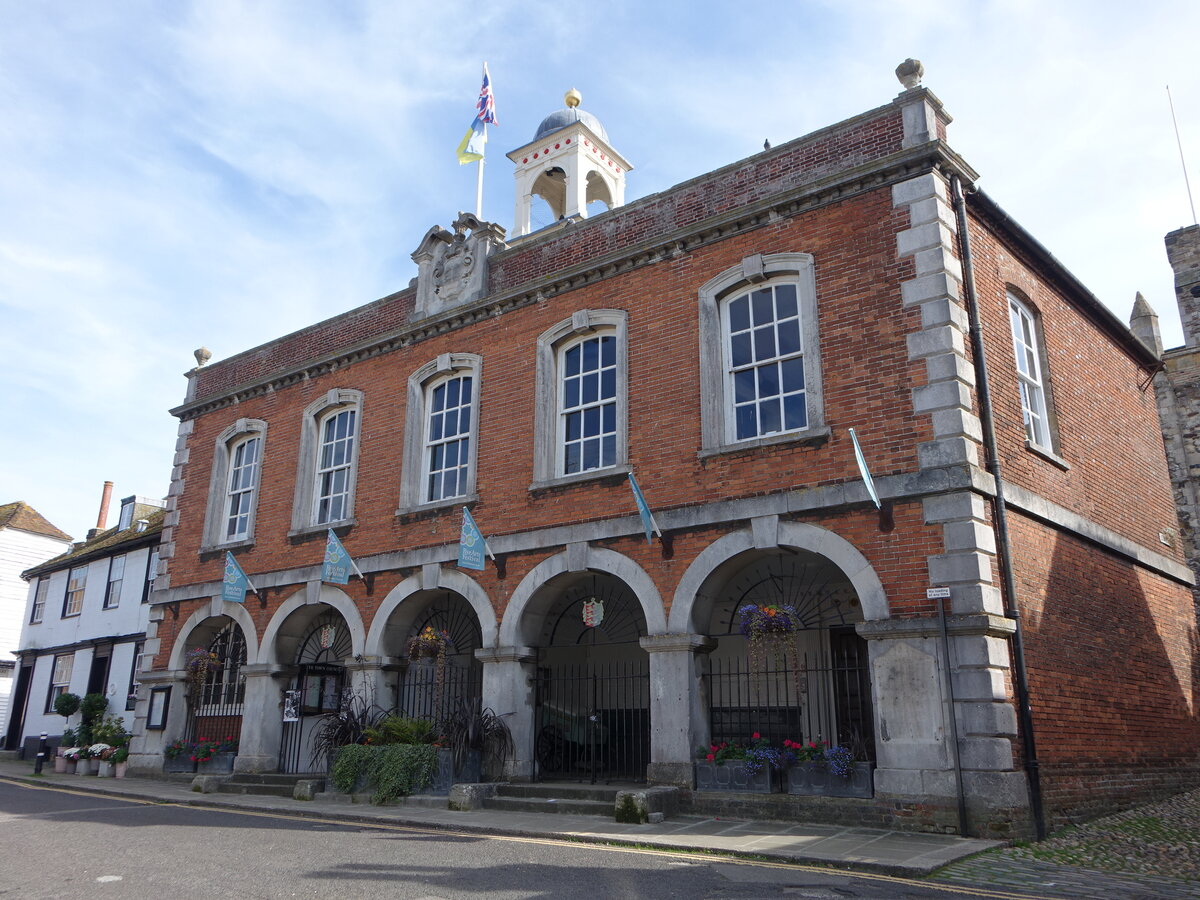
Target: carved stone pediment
{"x":452,"y":266}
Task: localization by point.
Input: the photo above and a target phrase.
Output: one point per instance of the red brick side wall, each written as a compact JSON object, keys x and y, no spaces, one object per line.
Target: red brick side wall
{"x":1111,"y":652}
{"x":1108,"y":427}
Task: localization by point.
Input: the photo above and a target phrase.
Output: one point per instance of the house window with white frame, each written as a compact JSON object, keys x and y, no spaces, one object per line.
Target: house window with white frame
{"x":582,"y":385}
{"x":76,"y":583}
{"x":132,"y":696}
{"x":116,"y":578}
{"x":243,"y":483}
{"x":760,"y":360}
{"x":233,"y":485}
{"x":41,"y":592}
{"x":151,"y":574}
{"x":1030,"y":374}
{"x":335,"y":461}
{"x":448,"y":438}
{"x":764,"y":362}
{"x":587,"y":405}
{"x":60,"y":678}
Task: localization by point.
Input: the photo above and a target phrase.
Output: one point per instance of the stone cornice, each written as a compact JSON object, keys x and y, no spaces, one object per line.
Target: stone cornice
{"x":821,"y":192}
{"x":931,"y":626}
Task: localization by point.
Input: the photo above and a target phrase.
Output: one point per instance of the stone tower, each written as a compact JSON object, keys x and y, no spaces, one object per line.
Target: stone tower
{"x":569,"y":164}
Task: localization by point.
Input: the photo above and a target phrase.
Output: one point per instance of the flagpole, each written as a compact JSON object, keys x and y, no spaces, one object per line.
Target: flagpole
{"x":479,"y":181}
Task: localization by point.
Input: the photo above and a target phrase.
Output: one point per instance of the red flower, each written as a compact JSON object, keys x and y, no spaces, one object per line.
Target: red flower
{"x":711,"y":757}
{"x":755,"y":736}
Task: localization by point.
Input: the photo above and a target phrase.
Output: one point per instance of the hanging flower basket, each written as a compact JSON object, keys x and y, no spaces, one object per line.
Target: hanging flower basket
{"x":770,"y":631}
{"x":431,"y":643}
{"x":196,"y":666}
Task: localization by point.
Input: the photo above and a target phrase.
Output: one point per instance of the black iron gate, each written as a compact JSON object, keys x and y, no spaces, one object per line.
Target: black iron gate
{"x":419,"y":696}
{"x":592,"y":721}
{"x":826,"y":698}
{"x":216,"y":713}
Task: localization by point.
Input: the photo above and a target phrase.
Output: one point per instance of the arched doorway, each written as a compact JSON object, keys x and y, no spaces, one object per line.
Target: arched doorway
{"x":815,"y":686}
{"x":420,"y":692}
{"x":216,"y":712}
{"x":317,"y":687}
{"x":592,"y":688}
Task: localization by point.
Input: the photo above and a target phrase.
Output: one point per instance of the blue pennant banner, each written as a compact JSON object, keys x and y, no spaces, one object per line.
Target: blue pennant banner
{"x":235,"y":583}
{"x":471,"y":545}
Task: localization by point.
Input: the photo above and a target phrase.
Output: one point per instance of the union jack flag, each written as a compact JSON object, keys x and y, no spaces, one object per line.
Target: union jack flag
{"x":485,"y":108}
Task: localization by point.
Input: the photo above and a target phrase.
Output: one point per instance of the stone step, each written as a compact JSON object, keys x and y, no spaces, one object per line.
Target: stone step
{"x":273,"y":778}
{"x":269,"y":790}
{"x":571,"y":791}
{"x":551,"y":805}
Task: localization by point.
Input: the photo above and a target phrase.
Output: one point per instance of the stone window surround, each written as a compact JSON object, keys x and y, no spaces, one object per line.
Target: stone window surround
{"x":330,"y":403}
{"x":547,"y":461}
{"x":1013,"y":294}
{"x":218,"y":487}
{"x":716,"y":407}
{"x":420,"y":384}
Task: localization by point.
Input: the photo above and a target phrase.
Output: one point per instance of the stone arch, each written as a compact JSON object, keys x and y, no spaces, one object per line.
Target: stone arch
{"x":797,"y":535}
{"x":235,"y":611}
{"x":330,"y":596}
{"x":447,"y":579}
{"x":596,"y":559}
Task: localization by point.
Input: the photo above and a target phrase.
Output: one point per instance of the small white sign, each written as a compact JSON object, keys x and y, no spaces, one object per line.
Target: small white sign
{"x":938,"y":593}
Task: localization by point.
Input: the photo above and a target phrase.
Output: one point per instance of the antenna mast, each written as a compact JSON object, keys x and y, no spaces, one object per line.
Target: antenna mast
{"x":1182,"y":160}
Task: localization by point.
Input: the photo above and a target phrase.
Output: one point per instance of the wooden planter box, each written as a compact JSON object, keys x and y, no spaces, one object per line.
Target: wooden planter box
{"x":219,"y":764}
{"x":814,"y":779}
{"x":732,"y":776}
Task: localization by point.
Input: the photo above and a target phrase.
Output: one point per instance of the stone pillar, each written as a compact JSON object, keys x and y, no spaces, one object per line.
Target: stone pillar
{"x":373,"y":678}
{"x":262,"y":719}
{"x":508,"y":678}
{"x":913,"y":726}
{"x":146,"y":748}
{"x":1183,"y":252}
{"x":678,"y":718}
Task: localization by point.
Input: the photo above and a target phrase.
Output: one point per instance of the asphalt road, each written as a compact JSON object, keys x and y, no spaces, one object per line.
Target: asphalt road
{"x":58,"y":843}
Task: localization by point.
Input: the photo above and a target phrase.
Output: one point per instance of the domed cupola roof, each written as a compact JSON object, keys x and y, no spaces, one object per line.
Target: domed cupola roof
{"x":569,"y":115}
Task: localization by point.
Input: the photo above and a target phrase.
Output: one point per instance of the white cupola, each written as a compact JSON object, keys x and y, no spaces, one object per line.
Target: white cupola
{"x":569,"y":164}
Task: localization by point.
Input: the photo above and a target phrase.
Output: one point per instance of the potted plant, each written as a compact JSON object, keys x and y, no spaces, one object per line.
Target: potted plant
{"x":86,"y":765}
{"x":71,"y":755}
{"x":432,"y":643}
{"x":100,"y":755}
{"x":214,"y":757}
{"x":177,"y":757}
{"x":474,"y":738}
{"x":120,"y":759}
{"x":822,"y":770}
{"x":196,"y":665}
{"x":743,"y":768}
{"x":66,"y":705}
{"x":66,"y":741}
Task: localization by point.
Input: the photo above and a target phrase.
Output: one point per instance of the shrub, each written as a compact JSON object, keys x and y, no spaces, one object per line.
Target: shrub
{"x":66,"y":705}
{"x":400,"y":730}
{"x":391,"y":770}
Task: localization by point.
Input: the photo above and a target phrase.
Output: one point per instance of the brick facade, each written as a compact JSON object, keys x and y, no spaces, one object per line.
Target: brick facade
{"x":868,"y":201}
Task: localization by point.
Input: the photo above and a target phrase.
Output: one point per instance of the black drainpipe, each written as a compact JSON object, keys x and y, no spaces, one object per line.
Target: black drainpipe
{"x":1011,"y":609}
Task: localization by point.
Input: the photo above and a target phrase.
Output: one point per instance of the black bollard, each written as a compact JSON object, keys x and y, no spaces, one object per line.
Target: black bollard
{"x":41,"y":755}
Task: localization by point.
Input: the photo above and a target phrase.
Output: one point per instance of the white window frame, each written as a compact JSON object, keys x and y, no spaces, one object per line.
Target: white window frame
{"x":414,"y":485}
{"x":73,"y":597}
{"x":337,"y":439}
{"x":112,"y":595}
{"x":717,"y":402}
{"x":216,"y":517}
{"x":305,"y":506}
{"x":60,"y":682}
{"x":550,"y":411}
{"x":242,"y":488}
{"x":40,"y":594}
{"x":1032,"y":384}
{"x":573,"y":406}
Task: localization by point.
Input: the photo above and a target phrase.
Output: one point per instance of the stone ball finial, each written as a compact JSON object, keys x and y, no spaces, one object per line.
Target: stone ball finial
{"x":910,"y":72}
{"x":573,"y":98}
{"x":203,"y":355}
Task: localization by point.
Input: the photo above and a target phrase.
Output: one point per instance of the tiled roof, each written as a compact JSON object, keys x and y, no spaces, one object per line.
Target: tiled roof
{"x":107,"y":542}
{"x":23,"y":517}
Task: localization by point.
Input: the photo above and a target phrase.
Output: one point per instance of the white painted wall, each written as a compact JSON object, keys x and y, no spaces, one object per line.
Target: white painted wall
{"x":130,"y":616}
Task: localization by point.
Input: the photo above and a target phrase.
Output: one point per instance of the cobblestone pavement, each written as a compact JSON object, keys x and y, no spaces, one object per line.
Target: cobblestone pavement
{"x":1151,"y":851}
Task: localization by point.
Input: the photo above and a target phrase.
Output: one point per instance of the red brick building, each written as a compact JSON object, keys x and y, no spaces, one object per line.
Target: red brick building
{"x":718,"y":339}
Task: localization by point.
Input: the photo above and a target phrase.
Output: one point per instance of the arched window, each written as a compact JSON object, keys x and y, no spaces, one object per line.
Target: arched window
{"x":233,"y":486}
{"x":441,"y":432}
{"x":1027,"y":345}
{"x":760,"y":361}
{"x":328,"y":461}
{"x":581,"y":398}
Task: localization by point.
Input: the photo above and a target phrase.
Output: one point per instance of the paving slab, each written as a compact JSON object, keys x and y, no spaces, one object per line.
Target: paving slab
{"x":864,"y":849}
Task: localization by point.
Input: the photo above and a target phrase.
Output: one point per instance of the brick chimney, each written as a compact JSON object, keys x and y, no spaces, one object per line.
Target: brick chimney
{"x":102,"y":518}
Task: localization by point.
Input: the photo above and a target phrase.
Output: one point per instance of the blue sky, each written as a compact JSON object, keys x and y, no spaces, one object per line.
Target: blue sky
{"x":218,"y":173}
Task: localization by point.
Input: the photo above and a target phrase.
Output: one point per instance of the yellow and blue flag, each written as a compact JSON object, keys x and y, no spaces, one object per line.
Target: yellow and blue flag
{"x":471,"y":544}
{"x":471,"y":148}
